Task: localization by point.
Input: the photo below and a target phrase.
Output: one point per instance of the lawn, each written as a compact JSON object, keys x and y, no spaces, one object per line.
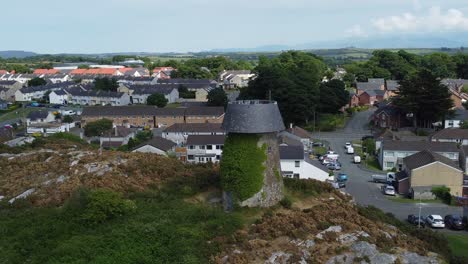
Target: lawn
{"x":18,"y":113}
{"x":173,"y":105}
{"x":458,"y":244}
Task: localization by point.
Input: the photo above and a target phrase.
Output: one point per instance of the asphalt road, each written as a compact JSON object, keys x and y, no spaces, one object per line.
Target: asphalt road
{"x":359,"y":185}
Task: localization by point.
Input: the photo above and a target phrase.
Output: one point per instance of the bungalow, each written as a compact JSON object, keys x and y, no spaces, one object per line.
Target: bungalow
{"x":393,"y":152}
{"x":178,"y":133}
{"x":459,"y":116}
{"x":293,"y":165}
{"x":119,"y":136}
{"x":157,"y":145}
{"x":424,"y":170}
{"x":456,"y":135}
{"x":205,"y":148}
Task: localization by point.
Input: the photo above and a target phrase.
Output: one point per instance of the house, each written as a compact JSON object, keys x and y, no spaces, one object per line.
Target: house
{"x":44,"y":122}
{"x":157,"y":145}
{"x":235,"y":79}
{"x":392,"y":87}
{"x":205,"y":148}
{"x":298,"y":134}
{"x":3,"y":104}
{"x":151,"y":116}
{"x":370,"y":97}
{"x":120,"y":135}
{"x":390,"y":116}
{"x":178,"y":133}
{"x":293,"y":165}
{"x":393,"y":152}
{"x":426,"y":169}
{"x":353,"y":99}
{"x":27,"y":94}
{"x":369,"y":86}
{"x":140,"y":93}
{"x":59,"y":97}
{"x":98,"y":97}
{"x":200,"y":87}
{"x":163,"y":72}
{"x":58,"y":78}
{"x":458,"y":117}
{"x":43,"y":72}
{"x":456,"y":135}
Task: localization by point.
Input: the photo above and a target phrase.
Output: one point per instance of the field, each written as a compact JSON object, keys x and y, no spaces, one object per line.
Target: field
{"x":459,"y":244}
{"x":18,"y":113}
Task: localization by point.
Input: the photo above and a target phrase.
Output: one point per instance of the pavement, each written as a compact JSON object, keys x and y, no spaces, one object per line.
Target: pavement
{"x":359,"y":184}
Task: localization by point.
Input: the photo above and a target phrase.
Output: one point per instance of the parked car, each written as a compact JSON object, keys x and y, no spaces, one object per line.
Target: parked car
{"x":357,"y":159}
{"x":416,"y":220}
{"x":454,"y":222}
{"x":342,"y":177}
{"x":318,"y":144}
{"x":347,"y":144}
{"x":338,"y":184}
{"x":334,"y":166}
{"x":435,"y":221}
{"x":68,"y":112}
{"x":388,"y":190}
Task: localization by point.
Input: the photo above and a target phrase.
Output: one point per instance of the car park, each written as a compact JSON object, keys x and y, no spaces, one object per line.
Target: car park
{"x":388,"y":190}
{"x":435,"y":221}
{"x":454,"y":222}
{"x":416,"y":220}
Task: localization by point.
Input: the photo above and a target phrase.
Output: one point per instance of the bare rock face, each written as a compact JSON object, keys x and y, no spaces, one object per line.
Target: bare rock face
{"x":272,"y":190}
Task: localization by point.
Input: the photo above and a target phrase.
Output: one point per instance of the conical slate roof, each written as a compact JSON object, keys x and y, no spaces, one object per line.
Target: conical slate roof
{"x":253,"y":117}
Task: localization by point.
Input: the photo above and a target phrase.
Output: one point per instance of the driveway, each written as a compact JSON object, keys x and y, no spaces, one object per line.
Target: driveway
{"x":359,"y":185}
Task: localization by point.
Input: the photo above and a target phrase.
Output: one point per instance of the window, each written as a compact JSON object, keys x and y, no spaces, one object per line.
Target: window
{"x":296,"y":175}
{"x":450,"y":123}
{"x":389,"y":154}
{"x":190,"y":147}
{"x":201,"y":159}
{"x":389,"y":164}
{"x":297,"y":163}
{"x":218,"y":147}
{"x":208,"y":159}
{"x":202,"y":147}
{"x":209,"y":146}
{"x":218,"y":157}
{"x":190,"y":157}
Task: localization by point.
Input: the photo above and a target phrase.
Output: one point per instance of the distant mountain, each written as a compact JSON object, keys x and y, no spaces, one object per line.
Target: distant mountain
{"x":16,"y":54}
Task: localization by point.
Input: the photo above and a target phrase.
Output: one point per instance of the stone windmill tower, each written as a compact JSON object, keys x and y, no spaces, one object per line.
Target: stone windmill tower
{"x":263,"y":119}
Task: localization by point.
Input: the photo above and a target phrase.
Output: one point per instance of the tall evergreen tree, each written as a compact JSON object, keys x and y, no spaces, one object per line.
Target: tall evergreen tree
{"x":423,"y":96}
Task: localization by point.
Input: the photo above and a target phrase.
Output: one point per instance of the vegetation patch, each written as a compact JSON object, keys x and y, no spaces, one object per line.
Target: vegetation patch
{"x":242,"y":166}
{"x":307,"y":187}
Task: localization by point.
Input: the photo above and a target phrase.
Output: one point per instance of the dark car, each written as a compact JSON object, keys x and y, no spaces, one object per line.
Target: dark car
{"x":318,"y":144}
{"x":454,"y":222}
{"x":57,"y":106}
{"x":367,"y":137}
{"x":417,"y":221}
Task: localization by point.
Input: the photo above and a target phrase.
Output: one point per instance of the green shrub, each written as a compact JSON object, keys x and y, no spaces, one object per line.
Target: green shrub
{"x":286,"y":202}
{"x":103,"y":204}
{"x":242,"y":165}
{"x":98,"y":127}
{"x":67,"y":136}
{"x":443,"y":193}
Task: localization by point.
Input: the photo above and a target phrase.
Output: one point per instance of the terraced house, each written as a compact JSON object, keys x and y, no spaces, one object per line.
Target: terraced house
{"x":151,"y":117}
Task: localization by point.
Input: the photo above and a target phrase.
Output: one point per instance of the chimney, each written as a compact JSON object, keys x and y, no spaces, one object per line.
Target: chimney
{"x":290,"y":125}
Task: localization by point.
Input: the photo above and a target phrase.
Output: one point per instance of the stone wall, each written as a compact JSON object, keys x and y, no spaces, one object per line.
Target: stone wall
{"x":272,"y":190}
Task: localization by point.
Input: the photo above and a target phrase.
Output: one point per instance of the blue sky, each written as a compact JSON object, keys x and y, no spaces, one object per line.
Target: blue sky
{"x":93,"y":26}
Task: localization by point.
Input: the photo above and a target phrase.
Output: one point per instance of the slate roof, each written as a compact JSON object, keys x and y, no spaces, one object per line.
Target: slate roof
{"x":389,"y":109}
{"x":454,"y":83}
{"x":379,"y":81}
{"x":151,"y":89}
{"x":451,"y":133}
{"x":375,"y":92}
{"x":394,"y":145}
{"x":205,"y":140}
{"x":460,"y":114}
{"x":195,"y":127}
{"x":253,"y":116}
{"x":291,"y":152}
{"x":34,"y":115}
{"x":204,"y":111}
{"x":367,"y":86}
{"x":60,"y":92}
{"x":300,"y":132}
{"x":186,"y":81}
{"x":426,"y":157}
{"x":145,"y":110}
{"x":96,"y":93}
{"x":318,"y":165}
{"x":392,"y":85}
{"x":47,"y":87}
{"x":7,"y":83}
{"x":159,"y":143}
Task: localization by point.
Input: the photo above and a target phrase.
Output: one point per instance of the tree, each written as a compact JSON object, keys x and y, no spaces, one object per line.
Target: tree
{"x":106,"y":84}
{"x":423,"y":96}
{"x":440,"y":65}
{"x":293,"y":79}
{"x":98,"y":127}
{"x":217,"y":97}
{"x":157,"y":99}
{"x":185,"y":93}
{"x":333,"y":96}
{"x":67,"y":119}
{"x":36,"y":81}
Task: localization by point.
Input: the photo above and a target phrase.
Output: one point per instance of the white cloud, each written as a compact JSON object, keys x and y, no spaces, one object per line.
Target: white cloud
{"x":356,"y":31}
{"x":434,"y":20}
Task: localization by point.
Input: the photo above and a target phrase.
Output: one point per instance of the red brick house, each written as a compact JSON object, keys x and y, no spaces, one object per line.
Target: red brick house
{"x":371,"y":97}
{"x":390,"y":116}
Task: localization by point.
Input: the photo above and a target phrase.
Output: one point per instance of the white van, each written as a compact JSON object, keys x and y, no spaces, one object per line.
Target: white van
{"x":357,"y":159}
{"x":350,"y":150}
{"x":68,"y":112}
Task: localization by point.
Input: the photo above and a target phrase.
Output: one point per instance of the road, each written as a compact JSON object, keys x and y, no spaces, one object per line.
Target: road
{"x":359,"y":185}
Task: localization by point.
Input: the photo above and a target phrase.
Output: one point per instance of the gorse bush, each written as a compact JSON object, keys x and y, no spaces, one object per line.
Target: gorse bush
{"x":307,"y":186}
{"x":242,"y":165}
{"x":103,"y":204}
